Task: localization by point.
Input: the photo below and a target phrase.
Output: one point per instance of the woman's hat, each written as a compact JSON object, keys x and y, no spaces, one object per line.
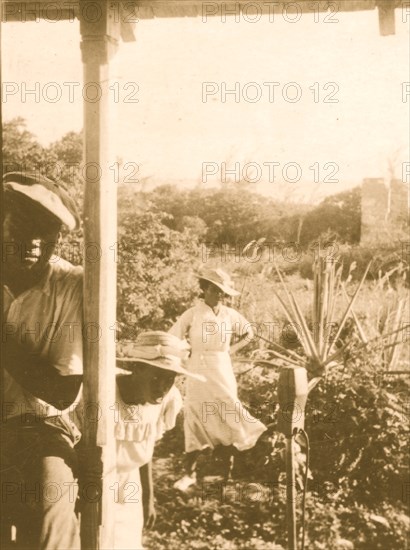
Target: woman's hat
{"x":157,"y":348}
{"x":44,"y":193}
{"x":221,"y":279}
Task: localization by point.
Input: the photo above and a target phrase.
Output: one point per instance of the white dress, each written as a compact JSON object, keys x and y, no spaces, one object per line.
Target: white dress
{"x":213,"y":414}
{"x":137,"y":429}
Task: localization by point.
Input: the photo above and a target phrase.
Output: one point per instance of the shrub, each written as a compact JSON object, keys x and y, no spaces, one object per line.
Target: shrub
{"x":351,"y":503}
{"x":359,"y":434}
{"x":156,"y":267}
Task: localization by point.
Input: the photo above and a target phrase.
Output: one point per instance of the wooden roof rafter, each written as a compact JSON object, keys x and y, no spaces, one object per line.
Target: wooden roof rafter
{"x":70,"y":10}
{"x":129,"y":12}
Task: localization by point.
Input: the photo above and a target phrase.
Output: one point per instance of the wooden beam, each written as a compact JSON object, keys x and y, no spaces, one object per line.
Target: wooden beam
{"x":99,"y":43}
{"x":30,"y":10}
{"x":218,"y":8}
{"x":130,"y":12}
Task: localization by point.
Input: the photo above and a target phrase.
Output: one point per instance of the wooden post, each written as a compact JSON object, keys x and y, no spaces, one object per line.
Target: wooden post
{"x":291,"y":494}
{"x":1,"y":279}
{"x":100,"y":34}
{"x":292,"y":396}
{"x":387,"y":23}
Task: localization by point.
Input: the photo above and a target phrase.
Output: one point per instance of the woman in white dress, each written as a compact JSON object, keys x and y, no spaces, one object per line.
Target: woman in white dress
{"x":213,"y":414}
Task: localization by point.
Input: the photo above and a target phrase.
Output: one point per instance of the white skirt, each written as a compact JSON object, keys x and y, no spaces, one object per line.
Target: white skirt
{"x":129,"y":516}
{"x":213,"y":414}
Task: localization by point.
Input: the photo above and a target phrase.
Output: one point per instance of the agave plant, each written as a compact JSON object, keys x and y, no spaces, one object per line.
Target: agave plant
{"x":390,"y":329}
{"x":322,"y":333}
{"x":389,"y":324}
{"x":319,"y":336}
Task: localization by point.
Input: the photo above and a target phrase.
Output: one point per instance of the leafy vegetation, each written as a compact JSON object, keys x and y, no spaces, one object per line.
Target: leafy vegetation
{"x":156,"y":267}
{"x":359,"y":467}
{"x":236,"y":215}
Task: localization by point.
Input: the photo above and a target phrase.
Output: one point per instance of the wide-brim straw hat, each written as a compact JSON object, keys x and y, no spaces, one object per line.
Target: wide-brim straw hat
{"x":221,"y":279}
{"x":157,"y":348}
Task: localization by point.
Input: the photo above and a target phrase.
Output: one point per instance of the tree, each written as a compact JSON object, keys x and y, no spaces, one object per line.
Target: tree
{"x":232,"y":214}
{"x":61,"y":161}
{"x":338,"y":214}
{"x":156,"y":268}
{"x":68,"y":152}
{"x":21,"y":150}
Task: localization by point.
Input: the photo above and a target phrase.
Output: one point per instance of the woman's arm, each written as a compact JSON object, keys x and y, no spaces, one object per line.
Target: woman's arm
{"x":244,"y":332}
{"x":148,"y":495}
{"x":241,"y":343}
{"x":181,"y":327}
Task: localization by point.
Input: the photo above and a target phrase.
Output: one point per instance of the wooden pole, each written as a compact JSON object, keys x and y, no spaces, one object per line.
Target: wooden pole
{"x":1,"y":274}
{"x":387,"y":24}
{"x":99,"y":43}
{"x":291,"y":494}
{"x":292,"y":396}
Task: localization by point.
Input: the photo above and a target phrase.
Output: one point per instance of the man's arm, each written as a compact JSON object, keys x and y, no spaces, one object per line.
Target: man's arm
{"x":148,"y":495}
{"x":39,"y":377}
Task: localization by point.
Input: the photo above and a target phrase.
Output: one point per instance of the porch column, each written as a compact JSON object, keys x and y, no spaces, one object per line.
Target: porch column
{"x":100,"y":33}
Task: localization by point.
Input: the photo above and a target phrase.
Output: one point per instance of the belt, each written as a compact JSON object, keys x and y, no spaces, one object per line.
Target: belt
{"x":19,"y":424}
{"x":26,"y":421}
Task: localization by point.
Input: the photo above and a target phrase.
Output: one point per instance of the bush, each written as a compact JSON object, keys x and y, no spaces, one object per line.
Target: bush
{"x":156,"y":265}
{"x":359,"y":465}
{"x":356,"y":423}
{"x":339,"y":214}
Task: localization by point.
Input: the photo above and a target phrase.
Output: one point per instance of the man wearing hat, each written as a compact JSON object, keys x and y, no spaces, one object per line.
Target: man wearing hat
{"x":42,"y":367}
{"x":213,"y":414}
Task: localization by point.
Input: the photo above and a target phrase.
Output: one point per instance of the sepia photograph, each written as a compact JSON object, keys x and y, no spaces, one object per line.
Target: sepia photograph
{"x":205,"y":229}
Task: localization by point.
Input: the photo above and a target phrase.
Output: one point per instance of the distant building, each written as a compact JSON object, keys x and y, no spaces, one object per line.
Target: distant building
{"x":385,"y":211}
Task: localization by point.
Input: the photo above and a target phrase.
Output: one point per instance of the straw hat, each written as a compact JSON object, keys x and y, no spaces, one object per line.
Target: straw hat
{"x":221,"y":279}
{"x":157,"y":348}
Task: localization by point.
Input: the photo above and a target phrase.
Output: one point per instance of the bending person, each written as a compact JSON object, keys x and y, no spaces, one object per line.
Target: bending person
{"x":147,"y":404}
{"x":213,"y":414}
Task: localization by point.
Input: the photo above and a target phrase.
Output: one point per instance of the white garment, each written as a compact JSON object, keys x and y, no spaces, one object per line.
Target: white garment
{"x":137,"y":429}
{"x":213,"y":414}
{"x":47,"y":319}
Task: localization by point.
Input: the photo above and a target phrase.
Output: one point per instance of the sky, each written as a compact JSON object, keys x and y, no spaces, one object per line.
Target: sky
{"x":319,"y":106}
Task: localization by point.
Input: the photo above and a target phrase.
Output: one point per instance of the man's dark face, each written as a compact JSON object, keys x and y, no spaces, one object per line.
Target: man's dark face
{"x":30,"y":237}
